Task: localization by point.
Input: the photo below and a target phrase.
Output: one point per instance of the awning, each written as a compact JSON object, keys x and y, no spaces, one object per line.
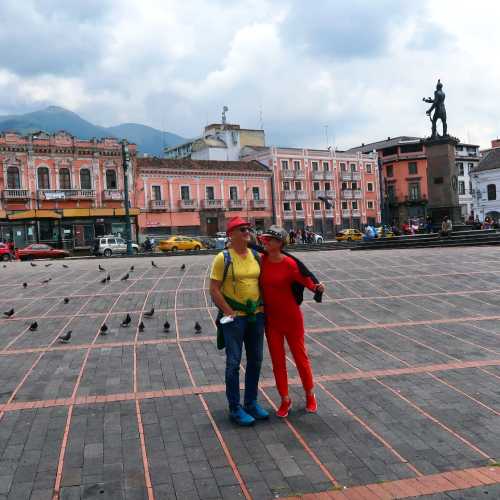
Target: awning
{"x":76,"y":212}
{"x":101,"y":212}
{"x":35,"y":214}
{"x":131,"y":211}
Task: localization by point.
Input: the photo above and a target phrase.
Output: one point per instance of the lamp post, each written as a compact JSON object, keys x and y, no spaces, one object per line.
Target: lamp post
{"x":125,"y":164}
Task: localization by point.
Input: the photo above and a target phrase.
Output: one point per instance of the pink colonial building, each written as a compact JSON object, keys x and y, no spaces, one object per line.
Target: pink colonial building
{"x":350,"y":181}
{"x":197,"y":197}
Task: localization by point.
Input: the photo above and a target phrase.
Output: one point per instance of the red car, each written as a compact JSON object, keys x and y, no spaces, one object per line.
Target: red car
{"x":5,"y":252}
{"x":40,"y":251}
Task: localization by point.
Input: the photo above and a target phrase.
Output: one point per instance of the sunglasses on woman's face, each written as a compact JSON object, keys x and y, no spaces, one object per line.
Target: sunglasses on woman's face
{"x":244,"y":230}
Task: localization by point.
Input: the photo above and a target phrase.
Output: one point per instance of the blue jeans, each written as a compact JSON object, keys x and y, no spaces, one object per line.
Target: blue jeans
{"x":239,"y":332}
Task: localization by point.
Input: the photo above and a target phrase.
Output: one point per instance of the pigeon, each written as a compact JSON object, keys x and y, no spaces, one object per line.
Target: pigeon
{"x":33,"y":326}
{"x":32,"y":264}
{"x":104,"y":329}
{"x":197,"y":328}
{"x":108,"y":277}
{"x":149,"y":314}
{"x":132,"y":268}
{"x":153,"y":263}
{"x":141,"y":326}
{"x":103,"y":280}
{"x":44,"y":282}
{"x":65,"y":266}
{"x":127,"y":320}
{"x":48,"y":265}
{"x":126,"y":277}
{"x":4,"y":266}
{"x":25,"y":285}
{"x":166,"y":326}
{"x":183,"y":267}
{"x":10,"y":313}
{"x":66,"y":300}
{"x":64,"y":339}
{"x":101,"y":268}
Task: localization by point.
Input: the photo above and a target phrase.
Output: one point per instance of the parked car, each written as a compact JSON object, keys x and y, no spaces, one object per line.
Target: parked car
{"x":349,"y":235}
{"x":40,"y":251}
{"x":5,"y":254}
{"x":386,"y":233}
{"x":175,"y":243}
{"x":109,"y":245}
{"x":318,"y":238}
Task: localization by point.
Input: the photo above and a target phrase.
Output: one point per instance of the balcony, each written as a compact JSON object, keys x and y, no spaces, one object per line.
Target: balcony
{"x":357,"y":194}
{"x":318,"y":214}
{"x":356,"y":213}
{"x":356,"y":176}
{"x":346,"y":176}
{"x":66,"y":194}
{"x":259,"y":204}
{"x":328,"y":175}
{"x":112,"y":195}
{"x":288,"y":174}
{"x":330,"y":193}
{"x":288,"y":195}
{"x":301,"y":195}
{"x":346,"y":213}
{"x":236,"y":204}
{"x":300,"y":174}
{"x":318,"y":193}
{"x":213,"y":204}
{"x":159,"y":205}
{"x":299,"y":214}
{"x":16,"y":194}
{"x":346,"y":193}
{"x":287,"y":215}
{"x":318,"y":176}
{"x":416,"y":199}
{"x":188,"y":204}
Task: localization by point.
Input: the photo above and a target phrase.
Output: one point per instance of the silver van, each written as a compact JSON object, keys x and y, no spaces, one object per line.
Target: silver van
{"x":109,"y":245}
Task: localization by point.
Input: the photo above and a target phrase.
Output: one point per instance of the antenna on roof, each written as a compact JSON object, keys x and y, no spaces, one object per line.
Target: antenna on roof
{"x":225,"y":109}
{"x":326,"y":136}
{"x":260,"y":118}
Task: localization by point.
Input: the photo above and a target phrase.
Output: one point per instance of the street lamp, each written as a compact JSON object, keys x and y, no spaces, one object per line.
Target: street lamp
{"x":125,"y":164}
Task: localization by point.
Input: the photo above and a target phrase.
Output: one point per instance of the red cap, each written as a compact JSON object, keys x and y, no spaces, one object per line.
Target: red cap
{"x":235,"y":222}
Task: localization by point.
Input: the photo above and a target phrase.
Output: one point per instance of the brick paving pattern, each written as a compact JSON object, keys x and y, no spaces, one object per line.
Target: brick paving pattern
{"x":405,"y":348}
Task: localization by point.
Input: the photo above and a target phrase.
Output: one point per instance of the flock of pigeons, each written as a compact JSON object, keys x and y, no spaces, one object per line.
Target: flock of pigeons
{"x":103,"y":330}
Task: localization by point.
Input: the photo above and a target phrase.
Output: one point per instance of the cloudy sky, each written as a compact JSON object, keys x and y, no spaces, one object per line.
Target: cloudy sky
{"x":360,"y":67}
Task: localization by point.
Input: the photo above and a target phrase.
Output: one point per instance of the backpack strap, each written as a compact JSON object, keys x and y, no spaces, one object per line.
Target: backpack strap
{"x":256,"y":255}
{"x":227,"y":262}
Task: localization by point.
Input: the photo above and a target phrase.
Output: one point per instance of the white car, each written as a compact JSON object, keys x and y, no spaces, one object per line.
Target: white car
{"x":109,"y":245}
{"x":318,"y":238}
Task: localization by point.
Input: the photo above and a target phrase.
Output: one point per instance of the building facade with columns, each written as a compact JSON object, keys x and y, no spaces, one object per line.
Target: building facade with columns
{"x":62,"y":190}
{"x":350,"y":182}
{"x":197,"y":197}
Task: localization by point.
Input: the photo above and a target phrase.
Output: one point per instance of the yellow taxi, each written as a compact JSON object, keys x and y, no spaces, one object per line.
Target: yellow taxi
{"x":175,"y":243}
{"x":384,"y":232}
{"x":349,"y":235}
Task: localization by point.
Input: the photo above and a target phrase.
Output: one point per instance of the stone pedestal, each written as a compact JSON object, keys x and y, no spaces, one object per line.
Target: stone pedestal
{"x":442,"y":184}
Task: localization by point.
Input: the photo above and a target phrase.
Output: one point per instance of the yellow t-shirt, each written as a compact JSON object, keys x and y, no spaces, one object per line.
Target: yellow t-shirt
{"x":245,"y":283}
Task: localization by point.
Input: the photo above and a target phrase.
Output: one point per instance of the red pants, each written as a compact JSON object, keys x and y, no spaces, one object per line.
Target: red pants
{"x":295,"y":340}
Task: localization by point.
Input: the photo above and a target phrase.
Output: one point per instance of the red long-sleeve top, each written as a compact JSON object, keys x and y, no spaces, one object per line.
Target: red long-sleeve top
{"x":276,"y":278}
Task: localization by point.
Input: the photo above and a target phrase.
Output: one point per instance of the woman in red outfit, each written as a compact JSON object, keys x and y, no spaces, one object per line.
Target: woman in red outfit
{"x":284,"y":318}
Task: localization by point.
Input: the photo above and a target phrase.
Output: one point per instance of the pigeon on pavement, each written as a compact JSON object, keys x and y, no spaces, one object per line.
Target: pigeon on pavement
{"x":101,"y":268}
{"x":108,"y":277}
{"x":197,"y":327}
{"x":132,"y":268}
{"x":32,"y":264}
{"x":166,"y":326}
{"x":44,"y":282}
{"x":25,"y":285}
{"x":153,"y":263}
{"x":48,"y":265}
{"x":64,"y":339}
{"x":9,"y":313}
{"x":127,"y":320}
{"x":33,"y":326}
{"x":149,"y":314}
{"x":126,"y":277}
{"x":183,"y":267}
{"x":141,"y":326}
{"x":104,"y":329}
{"x":66,"y":300}
{"x":103,"y":280}
{"x":65,"y":266}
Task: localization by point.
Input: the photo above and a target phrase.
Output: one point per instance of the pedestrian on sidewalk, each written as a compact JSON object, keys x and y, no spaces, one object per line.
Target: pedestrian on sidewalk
{"x":234,"y":288}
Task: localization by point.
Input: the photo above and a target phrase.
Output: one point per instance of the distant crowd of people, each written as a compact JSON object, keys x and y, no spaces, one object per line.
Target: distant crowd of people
{"x":301,"y":236}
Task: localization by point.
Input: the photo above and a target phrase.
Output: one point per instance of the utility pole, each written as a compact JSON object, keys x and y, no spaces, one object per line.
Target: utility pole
{"x":126,"y":163}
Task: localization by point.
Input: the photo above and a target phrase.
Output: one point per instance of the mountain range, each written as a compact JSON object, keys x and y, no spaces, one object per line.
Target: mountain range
{"x":149,"y":140}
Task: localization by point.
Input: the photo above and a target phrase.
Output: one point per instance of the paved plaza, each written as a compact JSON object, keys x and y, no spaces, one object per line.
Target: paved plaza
{"x":406,"y":353}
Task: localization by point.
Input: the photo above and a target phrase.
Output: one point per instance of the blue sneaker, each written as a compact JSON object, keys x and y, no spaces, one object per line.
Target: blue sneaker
{"x":257,"y":411}
{"x":241,"y":417}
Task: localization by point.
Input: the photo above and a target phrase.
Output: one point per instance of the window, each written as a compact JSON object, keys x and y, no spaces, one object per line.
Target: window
{"x":64,"y":179}
{"x":256,"y":193}
{"x":185,"y":195}
{"x":326,"y":166}
{"x":296,"y":165}
{"x":412,"y":168}
{"x":85,"y":181}
{"x":286,"y":206}
{"x":369,"y":205}
{"x":461,"y":187}
{"x":43,"y":178}
{"x":344,"y":205}
{"x":343,"y":167}
{"x":354,"y":185}
{"x":368,"y":168}
{"x":391,"y":192}
{"x":156,"y":192}
{"x":353,"y":167}
{"x":315,"y":166}
{"x":315,"y":186}
{"x":328,"y":186}
{"x":492,"y":191}
{"x":438,"y":180}
{"x":298,"y":186}
{"x":286,"y":186}
{"x":354,"y":205}
{"x":298,"y":205}
{"x":284,"y":164}
{"x":470,"y":166}
{"x":111,"y":241}
{"x":209,"y":193}
{"x":414,"y":191}
{"x":111,"y":179}
{"x":369,"y":186}
{"x":460,"y":167}
{"x":344,"y":186}
{"x":233,"y":193}
{"x":390,"y":170}
{"x":317,"y":206}
{"x":13,"y":180}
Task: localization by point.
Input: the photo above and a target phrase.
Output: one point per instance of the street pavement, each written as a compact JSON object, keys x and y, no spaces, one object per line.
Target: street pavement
{"x":406,"y":354}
